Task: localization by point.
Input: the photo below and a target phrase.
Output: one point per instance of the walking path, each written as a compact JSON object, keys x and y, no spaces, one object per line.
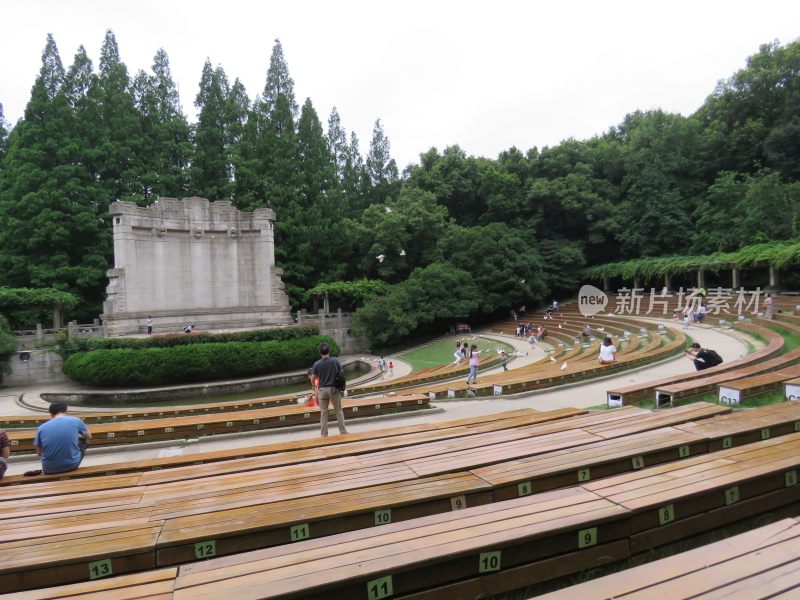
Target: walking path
{"x":730,"y":345}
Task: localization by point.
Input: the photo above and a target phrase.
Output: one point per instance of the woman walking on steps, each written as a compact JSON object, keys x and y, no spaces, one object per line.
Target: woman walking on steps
{"x":474,"y":361}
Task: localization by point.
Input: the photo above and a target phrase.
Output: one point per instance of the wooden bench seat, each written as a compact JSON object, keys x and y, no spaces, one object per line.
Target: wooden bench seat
{"x":411,"y":555}
{"x":747,"y":426}
{"x":436,"y":551}
{"x":762,"y":563}
{"x":379,"y":476}
{"x":311,"y":449}
{"x":667,"y":394}
{"x":736,"y":391}
{"x":642,"y":391}
{"x":273,"y":505}
{"x":106,"y":434}
{"x":153,"y":585}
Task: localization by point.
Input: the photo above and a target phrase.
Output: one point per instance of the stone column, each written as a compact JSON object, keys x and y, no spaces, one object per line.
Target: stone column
{"x":57,"y":319}
{"x":736,"y":278}
{"x":668,"y":281}
{"x":300,"y":315}
{"x":321,"y":314}
{"x":774,"y":278}
{"x":606,"y":284}
{"x":636,"y":281}
{"x":39,"y":333}
{"x":326,"y":305}
{"x":701,"y":278}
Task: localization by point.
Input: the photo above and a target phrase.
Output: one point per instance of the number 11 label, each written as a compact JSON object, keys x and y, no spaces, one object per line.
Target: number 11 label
{"x":379,"y":588}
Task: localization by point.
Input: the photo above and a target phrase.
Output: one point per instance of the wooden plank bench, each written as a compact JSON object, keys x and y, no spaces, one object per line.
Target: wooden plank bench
{"x":636,"y":393}
{"x":667,"y":394}
{"x":312,"y":449}
{"x":709,"y":491}
{"x":238,"y":503}
{"x":193,"y":516}
{"x":153,"y":585}
{"x":396,"y":559}
{"x":735,"y":392}
{"x":106,"y":434}
{"x":762,"y":563}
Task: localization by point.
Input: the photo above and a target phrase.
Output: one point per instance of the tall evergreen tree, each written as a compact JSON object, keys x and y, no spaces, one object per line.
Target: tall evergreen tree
{"x":210,"y":172}
{"x":51,"y":206}
{"x":166,"y":149}
{"x":337,"y":142}
{"x":381,"y":168}
{"x":116,"y":125}
{"x":321,"y":208}
{"x":4,"y":129}
{"x":355,"y":181}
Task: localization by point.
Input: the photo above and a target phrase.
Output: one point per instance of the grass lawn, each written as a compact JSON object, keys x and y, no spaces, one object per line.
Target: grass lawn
{"x":441,"y":352}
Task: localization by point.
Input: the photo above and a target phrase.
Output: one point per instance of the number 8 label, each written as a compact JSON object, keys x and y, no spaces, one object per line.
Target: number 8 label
{"x":666,"y":514}
{"x":587,"y":537}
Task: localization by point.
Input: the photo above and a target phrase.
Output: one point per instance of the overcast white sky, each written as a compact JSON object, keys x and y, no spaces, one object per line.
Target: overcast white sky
{"x":484,"y":75}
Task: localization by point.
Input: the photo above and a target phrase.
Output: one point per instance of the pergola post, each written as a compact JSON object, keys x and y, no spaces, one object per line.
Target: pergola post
{"x":774,"y":278}
{"x":57,"y":316}
{"x":668,"y":281}
{"x":736,"y":278}
{"x":326,"y":306}
{"x":606,"y":284}
{"x":701,"y":278}
{"x":636,"y":281}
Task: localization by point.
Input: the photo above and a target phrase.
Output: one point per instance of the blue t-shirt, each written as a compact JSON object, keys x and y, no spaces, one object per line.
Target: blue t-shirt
{"x":58,"y":439}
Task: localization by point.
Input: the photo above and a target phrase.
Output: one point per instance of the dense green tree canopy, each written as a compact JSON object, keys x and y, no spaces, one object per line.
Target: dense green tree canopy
{"x":453,"y":237}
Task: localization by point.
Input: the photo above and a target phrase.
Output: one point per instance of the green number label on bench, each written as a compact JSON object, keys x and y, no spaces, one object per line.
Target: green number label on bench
{"x":765,"y":433}
{"x":379,"y":588}
{"x":638,"y":462}
{"x":587,"y":537}
{"x":489,"y":561}
{"x":524,"y":488}
{"x":797,"y":425}
{"x":727,"y":442}
{"x":100,"y":568}
{"x":684,"y":451}
{"x":383,"y":517}
{"x":458,"y":502}
{"x":666,"y":514}
{"x":299,"y":532}
{"x":205,"y":549}
{"x":791,"y":478}
{"x":732,"y":495}
{"x":584,"y":474}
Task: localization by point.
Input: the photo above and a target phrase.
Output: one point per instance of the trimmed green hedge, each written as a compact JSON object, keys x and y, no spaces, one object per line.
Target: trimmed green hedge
{"x":278,"y":334}
{"x":125,"y":367}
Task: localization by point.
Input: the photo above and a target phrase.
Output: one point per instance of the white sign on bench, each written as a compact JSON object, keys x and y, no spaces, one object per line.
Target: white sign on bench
{"x":729,"y":395}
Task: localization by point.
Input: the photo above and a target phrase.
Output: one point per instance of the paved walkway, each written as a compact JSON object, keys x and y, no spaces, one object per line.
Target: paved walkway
{"x":729,"y":344}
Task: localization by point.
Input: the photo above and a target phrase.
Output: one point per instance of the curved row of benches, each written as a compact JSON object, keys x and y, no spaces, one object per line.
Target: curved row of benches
{"x":657,"y":494}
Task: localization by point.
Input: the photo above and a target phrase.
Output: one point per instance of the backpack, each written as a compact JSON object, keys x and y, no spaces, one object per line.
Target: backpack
{"x":340,"y":381}
{"x":713,"y":359}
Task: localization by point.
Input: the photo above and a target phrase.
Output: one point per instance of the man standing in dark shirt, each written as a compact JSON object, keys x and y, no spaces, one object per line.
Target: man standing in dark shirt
{"x":326,"y":369}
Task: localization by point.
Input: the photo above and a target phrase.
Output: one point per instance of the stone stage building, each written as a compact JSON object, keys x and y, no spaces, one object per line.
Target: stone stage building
{"x":194,"y":262}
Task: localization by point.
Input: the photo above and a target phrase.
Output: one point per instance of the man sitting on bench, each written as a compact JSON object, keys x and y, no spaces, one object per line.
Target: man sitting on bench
{"x":61,"y":441}
{"x":703,"y":358}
